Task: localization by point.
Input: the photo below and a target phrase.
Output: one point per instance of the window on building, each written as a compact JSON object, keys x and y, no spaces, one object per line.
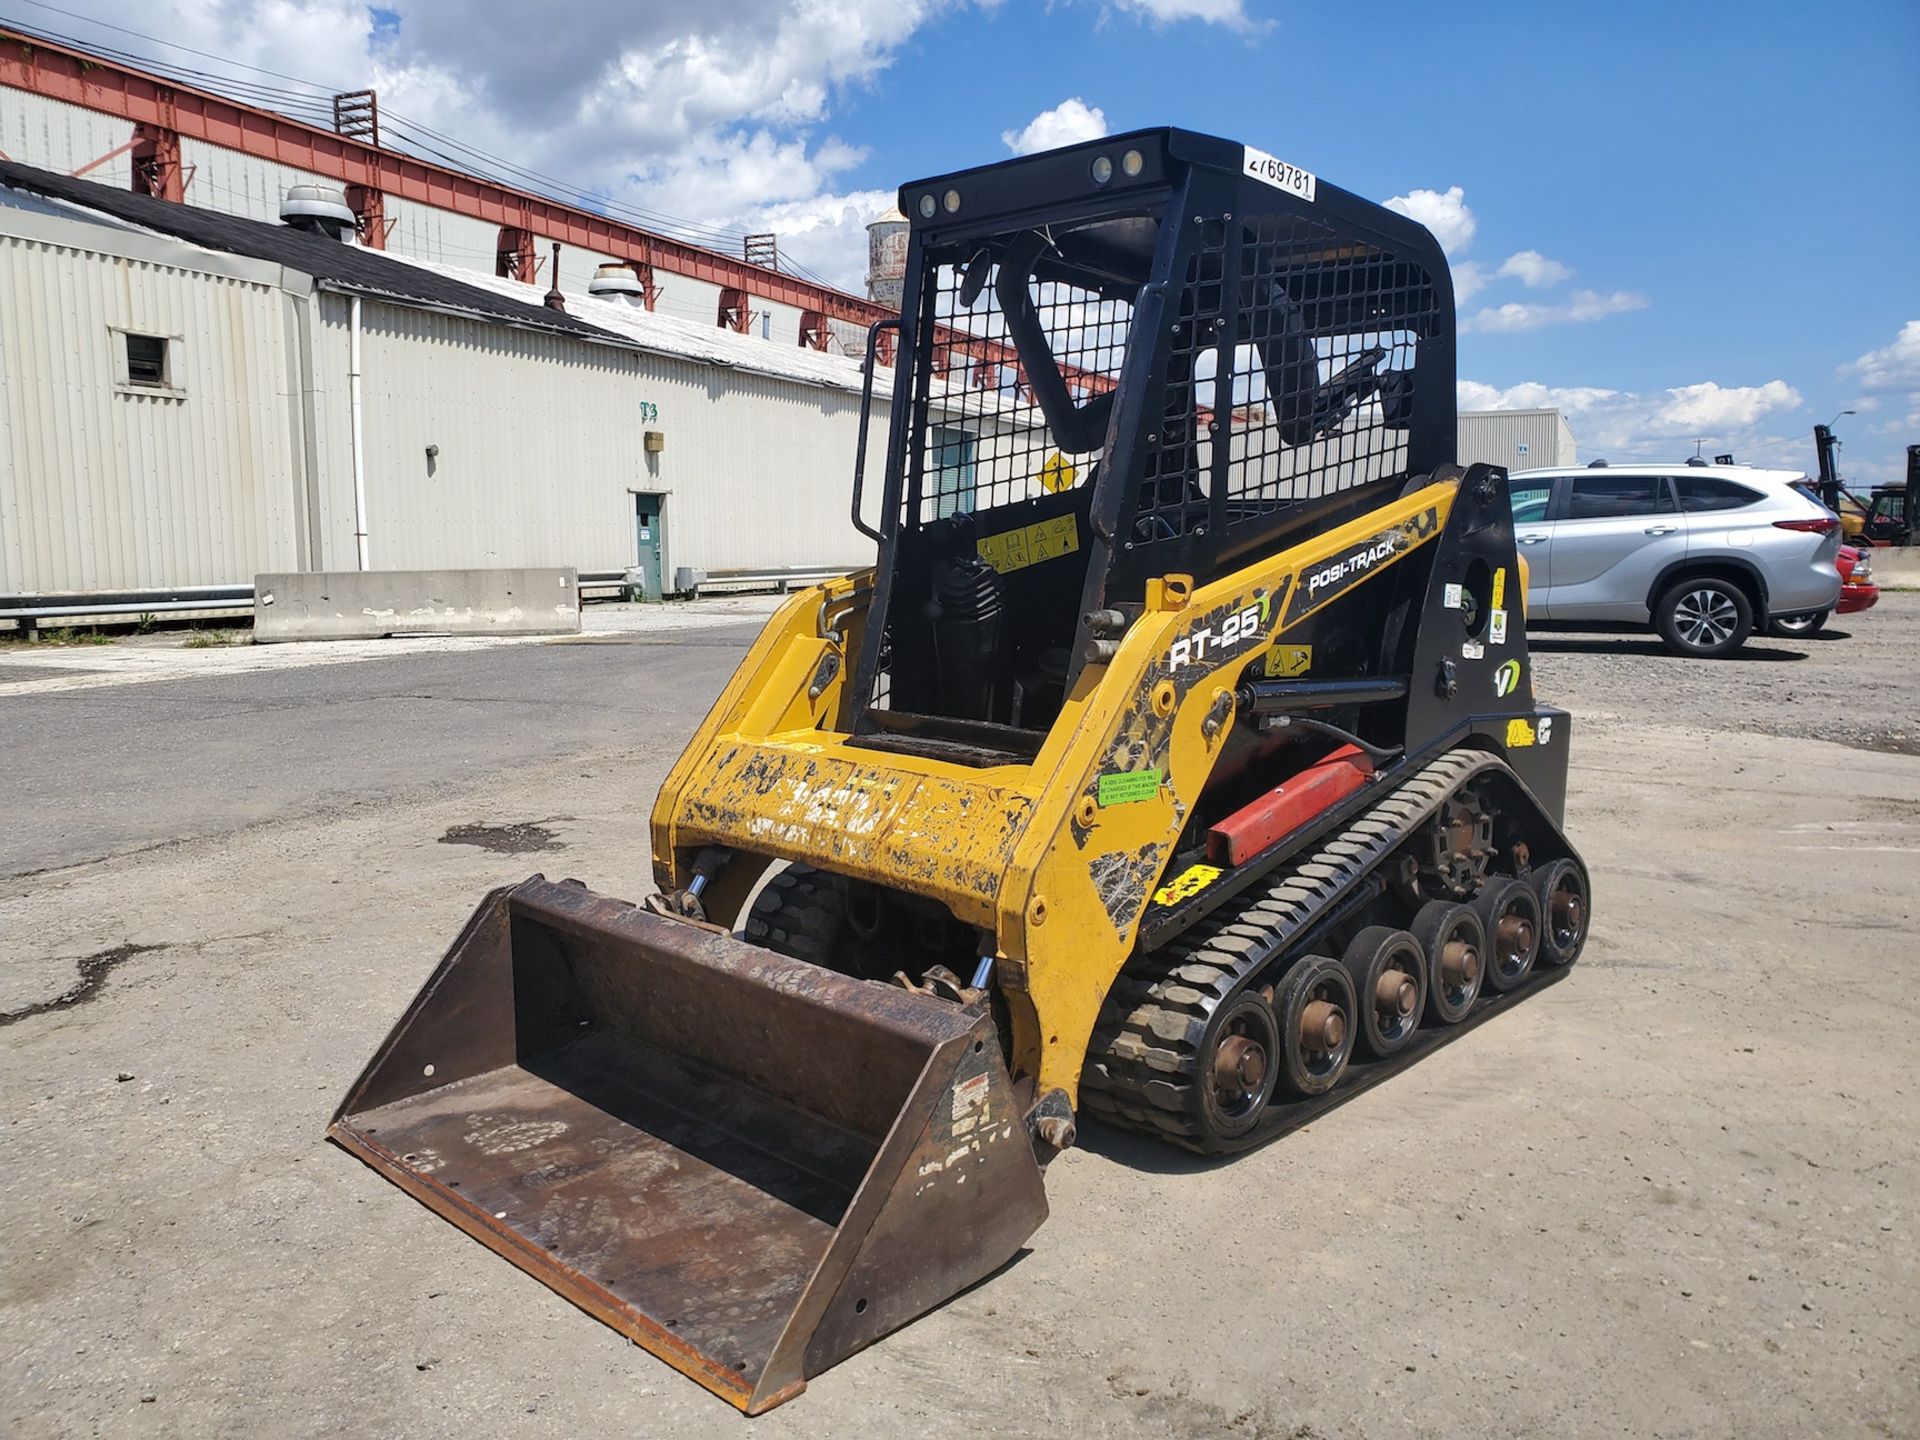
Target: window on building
{"x":147,"y":360}
{"x":950,"y":473}
{"x":1605,"y":497}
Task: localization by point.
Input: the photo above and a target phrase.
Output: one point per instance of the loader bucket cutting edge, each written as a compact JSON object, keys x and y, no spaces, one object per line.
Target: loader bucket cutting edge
{"x":748,"y":1165}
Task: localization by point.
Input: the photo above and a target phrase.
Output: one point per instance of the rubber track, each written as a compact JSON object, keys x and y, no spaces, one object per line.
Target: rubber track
{"x":1143,"y":1062}
{"x":799,"y":913}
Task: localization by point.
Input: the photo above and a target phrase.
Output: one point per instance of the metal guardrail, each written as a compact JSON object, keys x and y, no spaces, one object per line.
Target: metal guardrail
{"x":780,"y":578}
{"x":30,"y":608}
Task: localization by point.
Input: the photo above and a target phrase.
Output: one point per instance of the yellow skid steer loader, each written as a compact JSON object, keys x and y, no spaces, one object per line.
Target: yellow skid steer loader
{"x":1176,"y":765}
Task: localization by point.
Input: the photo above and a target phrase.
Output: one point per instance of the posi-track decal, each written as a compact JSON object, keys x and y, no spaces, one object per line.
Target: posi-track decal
{"x":1318,"y":584}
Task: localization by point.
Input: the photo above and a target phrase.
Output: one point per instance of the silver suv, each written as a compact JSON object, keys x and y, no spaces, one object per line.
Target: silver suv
{"x":1706,"y":553}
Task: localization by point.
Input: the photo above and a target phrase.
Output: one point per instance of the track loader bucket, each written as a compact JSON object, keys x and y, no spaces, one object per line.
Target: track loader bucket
{"x":751,"y":1166}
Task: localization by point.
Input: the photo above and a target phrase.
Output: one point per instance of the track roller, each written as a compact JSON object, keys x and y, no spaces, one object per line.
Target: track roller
{"x":1509,"y":912}
{"x":1561,"y":889}
{"x":1315,"y":1007}
{"x":1389,"y":975}
{"x":1454,"y":942}
{"x":1238,"y":1066}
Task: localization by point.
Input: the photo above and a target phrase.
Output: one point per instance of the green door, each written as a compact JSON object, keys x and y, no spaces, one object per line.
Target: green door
{"x":649,"y":531}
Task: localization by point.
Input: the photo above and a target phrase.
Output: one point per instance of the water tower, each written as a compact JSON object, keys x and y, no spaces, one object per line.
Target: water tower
{"x":887,"y":259}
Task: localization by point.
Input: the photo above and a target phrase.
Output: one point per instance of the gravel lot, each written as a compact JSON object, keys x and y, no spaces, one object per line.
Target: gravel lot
{"x":1674,"y":1195}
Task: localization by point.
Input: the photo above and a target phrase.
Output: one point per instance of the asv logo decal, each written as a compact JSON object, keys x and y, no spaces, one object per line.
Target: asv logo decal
{"x":1204,"y":644}
{"x":1506,"y":679}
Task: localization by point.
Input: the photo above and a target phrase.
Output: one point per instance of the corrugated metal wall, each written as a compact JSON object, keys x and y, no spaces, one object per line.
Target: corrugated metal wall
{"x":57,"y":136}
{"x":541,"y":450}
{"x":105,"y":485}
{"x":1517,"y":439}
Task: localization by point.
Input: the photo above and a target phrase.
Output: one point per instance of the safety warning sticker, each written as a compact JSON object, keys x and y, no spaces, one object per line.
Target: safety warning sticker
{"x":1030,"y":545}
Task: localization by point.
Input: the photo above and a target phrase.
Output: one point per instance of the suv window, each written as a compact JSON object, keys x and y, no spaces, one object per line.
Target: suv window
{"x":1530,"y":499}
{"x":1708,"y":492}
{"x":1603,"y":497}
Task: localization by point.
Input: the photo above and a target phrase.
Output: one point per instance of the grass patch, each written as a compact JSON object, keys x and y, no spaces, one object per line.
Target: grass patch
{"x":65,"y":635}
{"x":211,"y":639}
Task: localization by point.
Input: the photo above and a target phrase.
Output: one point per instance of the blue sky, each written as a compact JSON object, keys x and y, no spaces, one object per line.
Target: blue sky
{"x":1751,"y":172}
{"x":1707,"y":216}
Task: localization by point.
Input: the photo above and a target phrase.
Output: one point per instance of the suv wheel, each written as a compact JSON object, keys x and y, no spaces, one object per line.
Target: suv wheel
{"x":1704,"y":617}
{"x":1791,"y":625}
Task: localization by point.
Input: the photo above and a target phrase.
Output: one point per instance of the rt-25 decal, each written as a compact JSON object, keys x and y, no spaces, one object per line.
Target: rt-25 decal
{"x":1241,"y":628}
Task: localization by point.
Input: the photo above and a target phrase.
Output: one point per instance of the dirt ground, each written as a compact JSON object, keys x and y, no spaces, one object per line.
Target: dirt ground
{"x":1673,"y":1196}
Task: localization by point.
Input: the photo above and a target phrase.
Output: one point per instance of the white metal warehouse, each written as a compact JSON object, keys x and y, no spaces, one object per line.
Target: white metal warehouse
{"x":1517,"y":439}
{"x":177,"y":409}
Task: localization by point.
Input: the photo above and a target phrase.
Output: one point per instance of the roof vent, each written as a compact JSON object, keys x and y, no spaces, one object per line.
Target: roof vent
{"x":1596,"y":464}
{"x":319,"y":209}
{"x":619,"y":284}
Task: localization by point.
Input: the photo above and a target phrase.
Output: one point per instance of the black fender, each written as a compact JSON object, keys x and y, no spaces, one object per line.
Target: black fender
{"x":1712,"y":562}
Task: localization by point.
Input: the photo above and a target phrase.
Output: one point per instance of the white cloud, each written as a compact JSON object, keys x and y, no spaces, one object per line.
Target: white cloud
{"x":1708,"y":407}
{"x":1532,"y":395}
{"x":1658,"y":425}
{"x":1067,"y":123}
{"x":1892,"y":371}
{"x":1581,"y":307}
{"x":1470,"y":277}
{"x":1534,"y":270}
{"x":1444,"y":212}
{"x":1231,"y":13}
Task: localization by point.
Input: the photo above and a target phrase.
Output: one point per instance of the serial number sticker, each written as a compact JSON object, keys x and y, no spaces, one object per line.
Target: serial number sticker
{"x":1450,"y":597}
{"x":1030,"y":545}
{"x":1497,"y":627}
{"x":1188,"y":883}
{"x":1271,"y":170}
{"x":1129,"y":786}
{"x":1500,"y":587}
{"x":970,"y":1093}
{"x":1286,"y":661}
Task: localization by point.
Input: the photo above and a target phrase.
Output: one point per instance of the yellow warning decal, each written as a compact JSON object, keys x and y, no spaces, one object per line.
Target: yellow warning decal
{"x":1286,"y":661}
{"x":1012,"y":550}
{"x":1499,"y":589}
{"x":1188,"y":883}
{"x":1058,"y":474}
{"x":1519,"y":734}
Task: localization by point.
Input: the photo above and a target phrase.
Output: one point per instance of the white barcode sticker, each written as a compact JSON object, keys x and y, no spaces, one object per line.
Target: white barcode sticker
{"x":1270,"y":170}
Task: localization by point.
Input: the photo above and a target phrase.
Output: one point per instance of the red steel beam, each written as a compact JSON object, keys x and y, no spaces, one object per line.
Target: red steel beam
{"x":97,"y":83}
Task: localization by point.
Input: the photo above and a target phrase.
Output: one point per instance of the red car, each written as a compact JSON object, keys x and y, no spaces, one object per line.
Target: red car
{"x":1857,"y":593}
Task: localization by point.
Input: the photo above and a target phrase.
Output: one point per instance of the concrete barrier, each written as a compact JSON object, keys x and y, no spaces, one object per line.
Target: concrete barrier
{"x":1895,"y":569}
{"x":369,"y":604}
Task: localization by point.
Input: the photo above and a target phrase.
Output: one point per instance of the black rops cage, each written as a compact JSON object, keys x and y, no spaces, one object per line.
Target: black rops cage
{"x":1160,"y":353}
